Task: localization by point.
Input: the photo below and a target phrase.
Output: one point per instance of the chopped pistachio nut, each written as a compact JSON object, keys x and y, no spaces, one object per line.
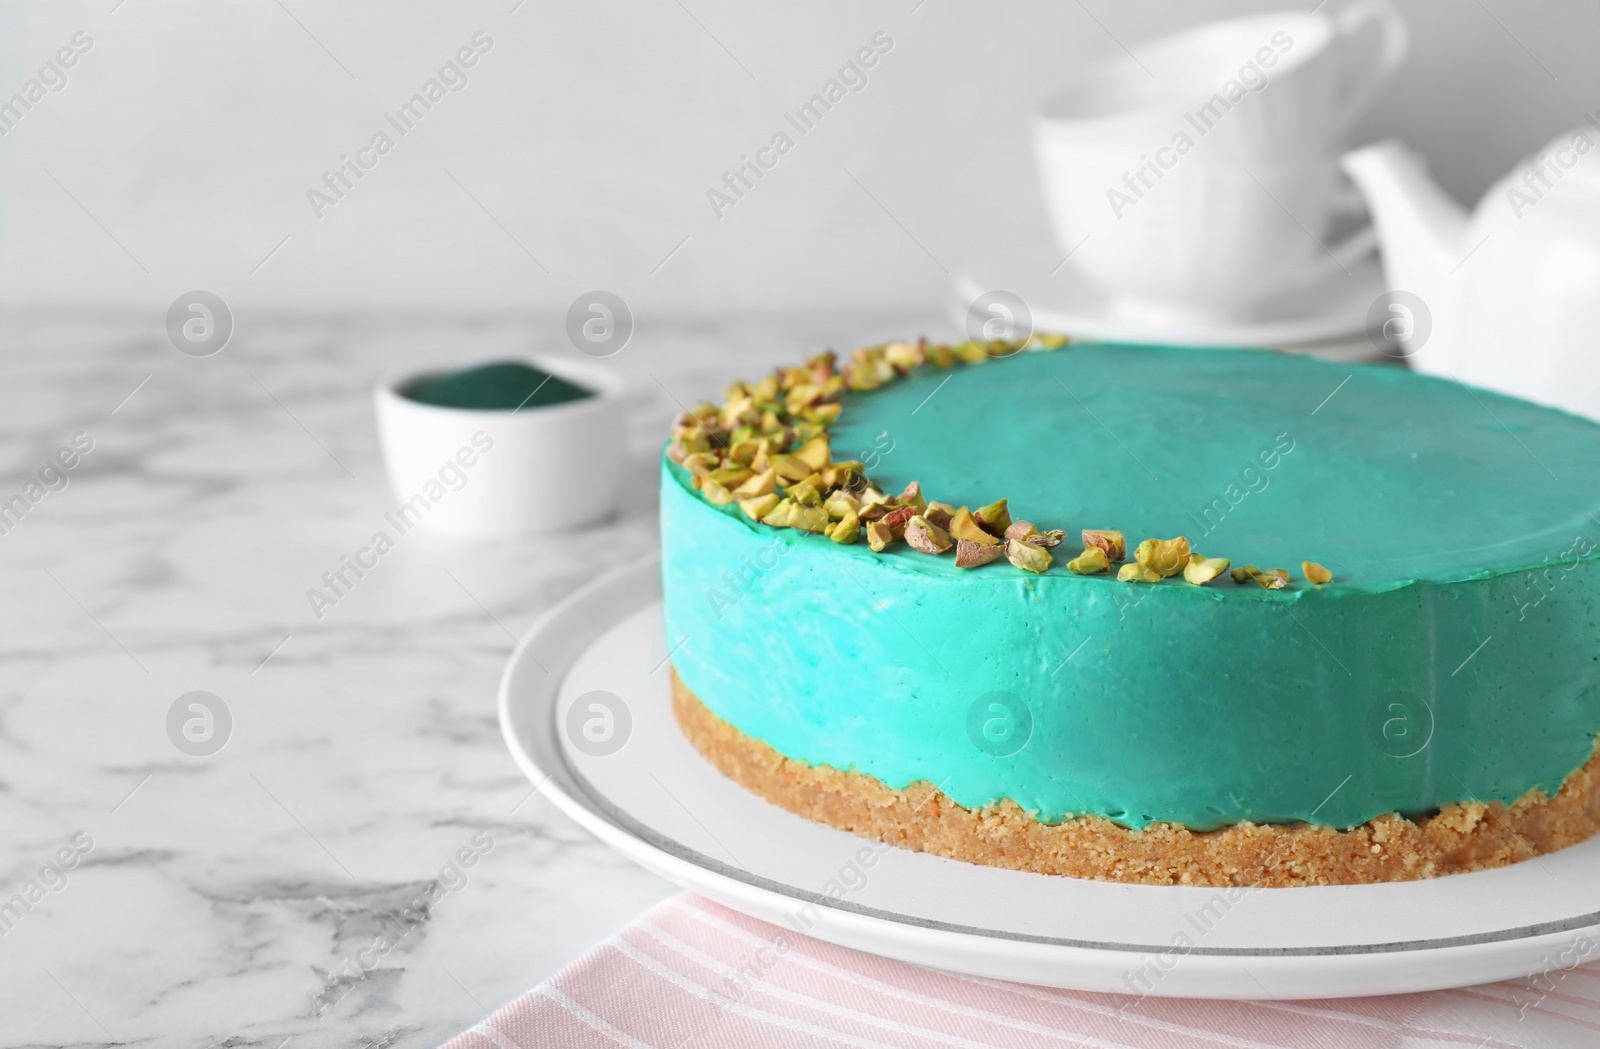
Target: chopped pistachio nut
{"x":694,"y":436}
{"x":898,"y":519}
{"x":972,"y":352}
{"x":678,"y":451}
{"x":870,"y":368}
{"x":825,"y":414}
{"x":804,"y":495}
{"x":802,"y":396}
{"x":903,"y":355}
{"x":809,"y":519}
{"x":767,"y":448}
{"x":964,"y":526}
{"x":700,"y":463}
{"x":748,"y":451}
{"x":758,"y":484}
{"x":860,"y":378}
{"x":779,"y":516}
{"x":814,"y":453}
{"x":1274,"y":578}
{"x":1166,"y":556}
{"x":1316,"y":573}
{"x":926,"y":536}
{"x":971,"y":555}
{"x":840,"y":503}
{"x":737,"y":413}
{"x":1267,"y":579}
{"x":1109,"y":540}
{"x":760,"y":506}
{"x":790,"y":467}
{"x":1026,"y":556}
{"x":730,"y":476}
{"x":1202,"y":570}
{"x":995,"y":518}
{"x":848,"y":474}
{"x":1134,"y":572}
{"x":1090,"y":562}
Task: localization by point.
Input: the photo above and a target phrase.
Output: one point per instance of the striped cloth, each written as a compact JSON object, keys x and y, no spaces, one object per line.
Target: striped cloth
{"x":691,"y":973}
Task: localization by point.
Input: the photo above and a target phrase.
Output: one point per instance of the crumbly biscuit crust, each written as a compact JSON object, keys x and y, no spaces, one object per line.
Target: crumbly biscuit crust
{"x":1460,"y":838}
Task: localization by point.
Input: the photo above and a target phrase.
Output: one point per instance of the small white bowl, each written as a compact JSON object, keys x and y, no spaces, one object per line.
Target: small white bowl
{"x":499,"y":473}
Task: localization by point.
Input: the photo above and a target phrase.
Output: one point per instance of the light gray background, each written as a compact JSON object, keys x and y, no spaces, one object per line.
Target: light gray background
{"x":224,"y":891}
{"x":187,"y":138}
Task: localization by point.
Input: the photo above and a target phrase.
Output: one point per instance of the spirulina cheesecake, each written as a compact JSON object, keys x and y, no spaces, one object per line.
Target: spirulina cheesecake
{"x":1156,"y":615}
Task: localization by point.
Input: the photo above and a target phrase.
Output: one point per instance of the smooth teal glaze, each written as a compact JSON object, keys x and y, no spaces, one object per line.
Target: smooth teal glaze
{"x":1454,"y":657}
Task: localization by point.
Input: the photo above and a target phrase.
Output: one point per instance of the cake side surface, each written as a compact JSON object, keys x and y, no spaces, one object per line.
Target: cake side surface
{"x":1443,"y":667}
{"x":1461,"y":838}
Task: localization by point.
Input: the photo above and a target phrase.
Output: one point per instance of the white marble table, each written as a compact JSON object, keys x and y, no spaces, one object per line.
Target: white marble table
{"x":234,"y":899}
{"x":228,"y":899}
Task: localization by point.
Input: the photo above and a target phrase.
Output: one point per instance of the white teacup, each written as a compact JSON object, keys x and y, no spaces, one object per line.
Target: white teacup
{"x":1213,"y":241}
{"x":1201,"y":177}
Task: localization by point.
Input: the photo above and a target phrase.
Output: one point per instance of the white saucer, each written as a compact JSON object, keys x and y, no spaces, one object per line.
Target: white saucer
{"x":1331,"y":312}
{"x":659,"y":803}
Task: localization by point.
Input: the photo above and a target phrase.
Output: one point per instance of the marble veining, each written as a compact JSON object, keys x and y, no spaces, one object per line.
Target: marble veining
{"x":233,"y":900}
{"x":303,"y":885}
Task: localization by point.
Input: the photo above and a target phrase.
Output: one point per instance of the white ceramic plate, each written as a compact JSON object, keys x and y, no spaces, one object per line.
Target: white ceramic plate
{"x":1326,"y":318}
{"x":657,"y":801}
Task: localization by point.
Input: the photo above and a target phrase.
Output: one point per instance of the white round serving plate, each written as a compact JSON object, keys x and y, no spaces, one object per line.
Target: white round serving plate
{"x":658,"y":802}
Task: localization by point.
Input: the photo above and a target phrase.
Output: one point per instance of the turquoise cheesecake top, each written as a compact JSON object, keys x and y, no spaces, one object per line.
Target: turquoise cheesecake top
{"x":1451,"y":659}
{"x":1383,"y":476}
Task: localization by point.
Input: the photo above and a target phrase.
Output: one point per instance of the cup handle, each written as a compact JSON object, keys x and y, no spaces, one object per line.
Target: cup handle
{"x":1366,"y":68}
{"x":1355,"y":247}
{"x":1337,"y":259}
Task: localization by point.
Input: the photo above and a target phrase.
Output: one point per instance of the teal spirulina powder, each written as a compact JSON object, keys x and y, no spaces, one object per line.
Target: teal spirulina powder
{"x":501,"y":386}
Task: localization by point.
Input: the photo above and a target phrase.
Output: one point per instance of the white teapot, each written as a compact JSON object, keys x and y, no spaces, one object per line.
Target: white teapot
{"x":1510,"y":295}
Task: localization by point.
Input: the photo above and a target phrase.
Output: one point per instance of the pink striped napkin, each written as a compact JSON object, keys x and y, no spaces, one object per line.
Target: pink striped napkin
{"x":691,"y":973}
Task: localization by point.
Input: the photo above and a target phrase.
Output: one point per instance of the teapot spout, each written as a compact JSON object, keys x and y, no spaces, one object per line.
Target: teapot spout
{"x":1421,"y":230}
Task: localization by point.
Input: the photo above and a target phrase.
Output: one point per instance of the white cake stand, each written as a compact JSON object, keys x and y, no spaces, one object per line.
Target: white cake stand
{"x":619,"y":766}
